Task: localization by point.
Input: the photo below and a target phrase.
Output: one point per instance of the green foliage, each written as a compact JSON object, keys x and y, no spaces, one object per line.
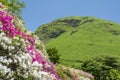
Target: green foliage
{"x":115,"y":32}
{"x":14,"y":6}
{"x":114,"y":74}
{"x":67,"y":73}
{"x":55,"y":33}
{"x":53,"y":55}
{"x":90,"y":38}
{"x":72,"y":22}
{"x":102,"y":68}
{"x":108,"y":61}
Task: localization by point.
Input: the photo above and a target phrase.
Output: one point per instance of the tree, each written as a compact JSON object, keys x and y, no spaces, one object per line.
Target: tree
{"x":15,"y":6}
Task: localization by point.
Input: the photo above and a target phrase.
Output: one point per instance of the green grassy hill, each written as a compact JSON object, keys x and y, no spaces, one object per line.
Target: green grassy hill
{"x":80,"y":38}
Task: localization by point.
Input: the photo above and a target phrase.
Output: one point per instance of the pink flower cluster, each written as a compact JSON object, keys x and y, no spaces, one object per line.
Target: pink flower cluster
{"x":11,"y":30}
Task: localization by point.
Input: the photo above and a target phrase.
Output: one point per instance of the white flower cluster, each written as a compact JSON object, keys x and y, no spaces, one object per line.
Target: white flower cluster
{"x":4,"y":70}
{"x":34,"y":68}
{"x":5,"y":41}
{"x":15,"y":61}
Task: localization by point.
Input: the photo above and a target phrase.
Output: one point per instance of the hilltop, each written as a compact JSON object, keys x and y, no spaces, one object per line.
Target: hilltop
{"x":80,"y":38}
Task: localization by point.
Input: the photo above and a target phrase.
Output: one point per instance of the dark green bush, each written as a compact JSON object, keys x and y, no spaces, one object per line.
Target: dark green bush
{"x":53,"y":55}
{"x":72,"y":22}
{"x":102,"y":68}
{"x":56,"y":33}
{"x":114,"y":32}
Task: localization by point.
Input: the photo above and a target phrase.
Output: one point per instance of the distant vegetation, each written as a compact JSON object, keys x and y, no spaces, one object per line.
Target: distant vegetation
{"x":103,"y":68}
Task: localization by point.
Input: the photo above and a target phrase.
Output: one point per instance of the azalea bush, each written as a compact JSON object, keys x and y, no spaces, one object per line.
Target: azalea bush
{"x":20,"y":56}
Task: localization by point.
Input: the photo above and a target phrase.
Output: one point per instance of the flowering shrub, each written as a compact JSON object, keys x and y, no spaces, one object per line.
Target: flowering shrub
{"x":20,"y":57}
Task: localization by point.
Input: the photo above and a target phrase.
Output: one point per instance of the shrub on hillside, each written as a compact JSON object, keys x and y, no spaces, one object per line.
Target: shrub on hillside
{"x":102,"y":68}
{"x":53,"y":55}
{"x":56,"y":33}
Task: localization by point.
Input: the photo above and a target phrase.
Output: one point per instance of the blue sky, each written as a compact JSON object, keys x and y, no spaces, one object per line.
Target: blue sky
{"x":38,"y":12}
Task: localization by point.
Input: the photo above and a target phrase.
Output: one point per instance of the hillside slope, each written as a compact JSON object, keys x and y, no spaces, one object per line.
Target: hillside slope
{"x":79,"y":38}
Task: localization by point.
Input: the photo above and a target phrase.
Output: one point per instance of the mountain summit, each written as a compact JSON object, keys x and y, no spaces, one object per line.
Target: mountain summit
{"x":78,"y":38}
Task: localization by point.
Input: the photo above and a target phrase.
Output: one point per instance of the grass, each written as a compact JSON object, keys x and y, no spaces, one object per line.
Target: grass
{"x":80,"y":46}
{"x":84,"y":41}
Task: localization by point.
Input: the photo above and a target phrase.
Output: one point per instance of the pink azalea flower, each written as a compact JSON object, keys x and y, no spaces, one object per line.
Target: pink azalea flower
{"x":24,"y":36}
{"x":36,"y":57}
{"x":17,"y":31}
{"x":6,"y":19}
{"x":30,"y":49}
{"x":31,"y":39}
{"x":4,"y":28}
{"x":43,"y":61}
{"x":11,"y":32}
